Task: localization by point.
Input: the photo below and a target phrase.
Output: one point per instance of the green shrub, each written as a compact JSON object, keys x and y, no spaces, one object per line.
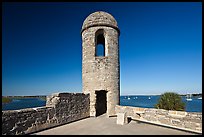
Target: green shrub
{"x":6,"y":100}
{"x":170,"y":101}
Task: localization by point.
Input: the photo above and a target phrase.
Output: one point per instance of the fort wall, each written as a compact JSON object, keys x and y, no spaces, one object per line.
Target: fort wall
{"x":189,"y":121}
{"x":61,"y":108}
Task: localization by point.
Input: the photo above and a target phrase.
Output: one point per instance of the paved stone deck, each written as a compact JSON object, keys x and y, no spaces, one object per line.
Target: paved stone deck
{"x":107,"y":126}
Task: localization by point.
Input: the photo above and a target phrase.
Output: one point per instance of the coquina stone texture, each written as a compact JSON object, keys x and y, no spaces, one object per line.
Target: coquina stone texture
{"x":61,"y":108}
{"x":189,"y":121}
{"x":101,"y":73}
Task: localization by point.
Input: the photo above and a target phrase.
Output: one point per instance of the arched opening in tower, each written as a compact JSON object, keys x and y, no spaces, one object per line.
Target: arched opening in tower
{"x":100,"y":43}
{"x":101,"y":102}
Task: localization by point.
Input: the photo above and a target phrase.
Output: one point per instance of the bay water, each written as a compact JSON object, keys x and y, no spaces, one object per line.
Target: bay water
{"x":22,"y":103}
{"x":149,"y":101}
{"x":137,"y":101}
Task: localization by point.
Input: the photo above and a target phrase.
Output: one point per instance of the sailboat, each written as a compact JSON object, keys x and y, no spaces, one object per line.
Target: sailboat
{"x":188,"y":97}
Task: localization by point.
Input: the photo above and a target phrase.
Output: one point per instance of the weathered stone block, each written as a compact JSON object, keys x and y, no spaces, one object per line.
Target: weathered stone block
{"x":122,"y":118}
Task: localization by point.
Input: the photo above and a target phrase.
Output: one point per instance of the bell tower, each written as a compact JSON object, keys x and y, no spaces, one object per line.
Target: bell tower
{"x":100,"y":62}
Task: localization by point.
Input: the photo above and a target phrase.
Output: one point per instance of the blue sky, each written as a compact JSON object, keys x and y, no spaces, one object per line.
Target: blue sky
{"x":160,"y":46}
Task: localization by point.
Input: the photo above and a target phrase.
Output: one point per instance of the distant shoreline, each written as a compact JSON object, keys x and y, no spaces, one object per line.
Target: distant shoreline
{"x":37,"y":96}
{"x":193,"y":94}
{"x":8,"y":99}
{"x":25,"y":96}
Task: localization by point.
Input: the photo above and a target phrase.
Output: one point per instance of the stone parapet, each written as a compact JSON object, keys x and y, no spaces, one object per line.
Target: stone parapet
{"x":189,"y":121}
{"x":61,"y":108}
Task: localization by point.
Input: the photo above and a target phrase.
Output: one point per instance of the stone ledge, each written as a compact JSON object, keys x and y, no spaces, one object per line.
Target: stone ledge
{"x":169,"y":126}
{"x":178,"y":114}
{"x":188,"y":121}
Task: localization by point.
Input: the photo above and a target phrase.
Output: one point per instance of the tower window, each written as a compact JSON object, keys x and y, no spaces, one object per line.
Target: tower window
{"x":100,"y":43}
{"x":100,"y":50}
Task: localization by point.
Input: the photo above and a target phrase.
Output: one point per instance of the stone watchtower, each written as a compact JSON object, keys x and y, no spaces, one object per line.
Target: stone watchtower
{"x":100,"y":63}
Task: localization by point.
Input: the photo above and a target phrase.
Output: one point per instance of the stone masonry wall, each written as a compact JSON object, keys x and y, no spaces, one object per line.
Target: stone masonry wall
{"x":189,"y":121}
{"x":61,"y":108}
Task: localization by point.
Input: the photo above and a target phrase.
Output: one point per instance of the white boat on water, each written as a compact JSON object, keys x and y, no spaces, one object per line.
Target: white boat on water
{"x":200,"y":98}
{"x":135,"y":98}
{"x":188,"y":97}
{"x":149,"y":98}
